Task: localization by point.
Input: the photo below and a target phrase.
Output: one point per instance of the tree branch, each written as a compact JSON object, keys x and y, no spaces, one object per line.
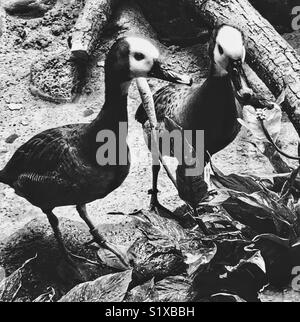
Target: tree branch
{"x":89,"y":24}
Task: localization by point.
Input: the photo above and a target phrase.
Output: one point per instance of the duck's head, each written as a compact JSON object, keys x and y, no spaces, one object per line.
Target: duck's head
{"x":133,"y":57}
{"x":228,"y":53}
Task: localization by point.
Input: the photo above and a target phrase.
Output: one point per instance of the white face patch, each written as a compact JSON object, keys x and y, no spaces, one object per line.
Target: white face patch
{"x":229,"y":45}
{"x":142,"y":54}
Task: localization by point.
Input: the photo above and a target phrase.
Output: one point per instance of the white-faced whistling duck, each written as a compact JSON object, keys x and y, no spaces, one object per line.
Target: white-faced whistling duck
{"x":212,"y":106}
{"x":58,"y":167}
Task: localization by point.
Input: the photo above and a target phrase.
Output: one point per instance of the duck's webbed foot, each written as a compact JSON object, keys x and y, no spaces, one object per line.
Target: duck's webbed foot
{"x":121,"y":260}
{"x":100,"y":240}
{"x":157,"y":207}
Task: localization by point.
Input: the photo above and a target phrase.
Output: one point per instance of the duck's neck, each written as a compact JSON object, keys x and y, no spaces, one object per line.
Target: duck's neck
{"x":114,"y":110}
{"x":225,"y":88}
{"x":216,"y":97}
{"x":217,"y":71}
{"x":220,"y":91}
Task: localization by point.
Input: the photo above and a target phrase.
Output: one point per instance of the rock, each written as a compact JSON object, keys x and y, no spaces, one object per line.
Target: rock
{"x":28,"y":8}
{"x":25,"y":122}
{"x":11,"y":97}
{"x":88,"y":90}
{"x":37,"y":238}
{"x":33,"y":24}
{"x":101,"y":64}
{"x":54,"y":78}
{"x":12,"y":138}
{"x":14,"y":106}
{"x":88,"y":112}
{"x":57,"y":30}
{"x":37,"y":41}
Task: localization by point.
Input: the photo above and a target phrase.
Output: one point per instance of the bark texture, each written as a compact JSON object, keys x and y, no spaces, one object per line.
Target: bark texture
{"x":278,"y":12}
{"x":90,"y":23}
{"x":129,"y":20}
{"x":270,"y":56}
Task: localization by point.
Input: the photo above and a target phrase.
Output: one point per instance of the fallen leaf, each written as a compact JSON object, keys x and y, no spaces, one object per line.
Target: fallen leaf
{"x":143,"y":293}
{"x":226,"y":297}
{"x":261,"y":213}
{"x":174,"y":289}
{"x":46,"y":297}
{"x":109,"y":288}
{"x":11,"y":285}
{"x":277,"y":256}
{"x":272,"y":122}
{"x":235,"y":182}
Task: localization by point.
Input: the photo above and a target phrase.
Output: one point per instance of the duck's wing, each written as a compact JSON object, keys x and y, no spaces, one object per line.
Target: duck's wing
{"x":47,"y":152}
{"x":168,"y":101}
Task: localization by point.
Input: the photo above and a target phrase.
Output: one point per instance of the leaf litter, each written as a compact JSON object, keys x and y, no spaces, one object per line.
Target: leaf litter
{"x":254,"y":243}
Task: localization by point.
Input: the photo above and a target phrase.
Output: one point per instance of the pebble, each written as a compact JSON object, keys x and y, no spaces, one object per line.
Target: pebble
{"x":101,"y":64}
{"x":88,"y":112}
{"x":88,"y":90}
{"x":12,"y":138}
{"x":57,"y":30}
{"x":24,"y":123}
{"x":14,"y":106}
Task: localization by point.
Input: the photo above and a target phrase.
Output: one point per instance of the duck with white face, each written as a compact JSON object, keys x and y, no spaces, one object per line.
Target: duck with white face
{"x":212,"y":106}
{"x":134,"y":57}
{"x":228,"y":53}
{"x":59,"y":167}
{"x":145,"y":61}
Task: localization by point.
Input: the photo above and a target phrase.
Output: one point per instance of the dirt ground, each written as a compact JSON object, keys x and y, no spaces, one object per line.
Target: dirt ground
{"x":23,"y":115}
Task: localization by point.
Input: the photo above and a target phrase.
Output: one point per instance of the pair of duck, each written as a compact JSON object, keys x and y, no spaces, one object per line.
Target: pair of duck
{"x":58,"y":167}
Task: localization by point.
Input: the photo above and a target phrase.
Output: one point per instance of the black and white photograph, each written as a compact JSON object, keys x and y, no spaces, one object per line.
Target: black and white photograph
{"x":149,"y":153}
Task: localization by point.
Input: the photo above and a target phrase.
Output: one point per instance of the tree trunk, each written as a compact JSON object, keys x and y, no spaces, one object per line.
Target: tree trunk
{"x":270,"y":56}
{"x":278,"y":12}
{"x":129,"y":20}
{"x":90,"y":23}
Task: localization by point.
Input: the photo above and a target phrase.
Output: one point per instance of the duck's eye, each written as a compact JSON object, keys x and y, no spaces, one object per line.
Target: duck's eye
{"x":139,"y":56}
{"x":221,"y":50}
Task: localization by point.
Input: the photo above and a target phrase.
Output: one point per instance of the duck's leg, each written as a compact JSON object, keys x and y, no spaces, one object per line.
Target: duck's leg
{"x":53,"y":220}
{"x":154,"y":203}
{"x":100,"y":240}
{"x":156,"y":206}
{"x":154,"y":191}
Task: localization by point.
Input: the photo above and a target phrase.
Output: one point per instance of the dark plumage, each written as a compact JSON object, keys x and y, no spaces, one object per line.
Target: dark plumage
{"x":212,"y":106}
{"x":193,"y":109}
{"x":58,"y":167}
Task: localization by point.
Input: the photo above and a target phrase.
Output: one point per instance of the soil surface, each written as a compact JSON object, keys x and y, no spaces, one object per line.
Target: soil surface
{"x":22,"y":115}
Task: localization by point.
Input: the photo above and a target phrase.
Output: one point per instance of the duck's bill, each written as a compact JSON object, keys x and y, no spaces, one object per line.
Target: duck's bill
{"x":243,"y":92}
{"x":163,"y":72}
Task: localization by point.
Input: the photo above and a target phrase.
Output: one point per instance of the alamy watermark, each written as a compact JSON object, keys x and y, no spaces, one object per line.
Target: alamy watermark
{"x":186,"y":146}
{"x":296,"y":18}
{"x":296,"y":279}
